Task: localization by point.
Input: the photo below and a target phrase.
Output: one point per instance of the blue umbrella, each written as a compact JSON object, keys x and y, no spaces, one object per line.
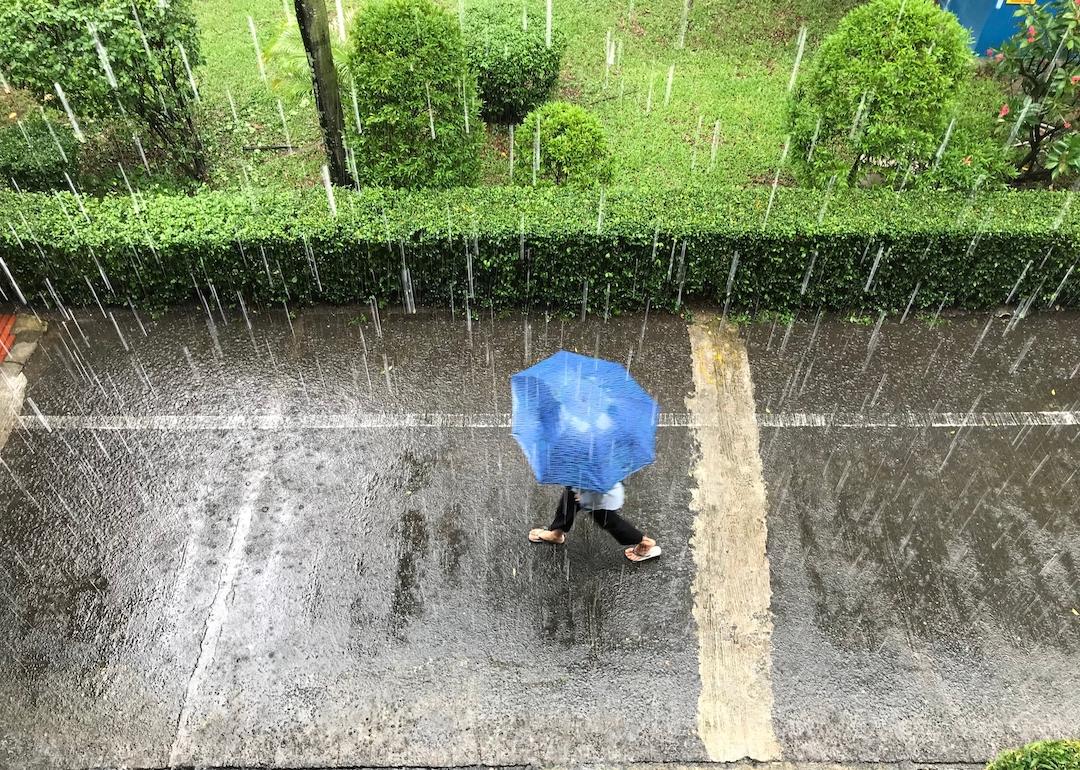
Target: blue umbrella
{"x":583,"y":422}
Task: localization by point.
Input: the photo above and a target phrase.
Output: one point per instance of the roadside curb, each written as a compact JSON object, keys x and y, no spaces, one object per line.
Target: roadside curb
{"x":747,"y":764}
{"x":19,"y":335}
{"x":737,"y":765}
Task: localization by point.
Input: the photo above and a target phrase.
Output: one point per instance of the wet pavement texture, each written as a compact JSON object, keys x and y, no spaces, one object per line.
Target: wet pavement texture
{"x":924,"y":579}
{"x":220,"y":595}
{"x":331,"y":597}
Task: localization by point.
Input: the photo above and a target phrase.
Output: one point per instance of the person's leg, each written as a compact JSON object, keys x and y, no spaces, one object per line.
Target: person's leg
{"x":641,"y":548}
{"x":565,"y":512}
{"x":564,"y":520}
{"x":618,"y":527}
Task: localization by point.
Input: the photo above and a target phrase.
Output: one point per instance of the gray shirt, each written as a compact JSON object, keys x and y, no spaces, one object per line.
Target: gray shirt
{"x":612,"y":500}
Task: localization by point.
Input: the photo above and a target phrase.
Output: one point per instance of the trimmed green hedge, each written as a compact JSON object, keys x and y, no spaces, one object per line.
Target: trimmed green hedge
{"x":538,"y":247}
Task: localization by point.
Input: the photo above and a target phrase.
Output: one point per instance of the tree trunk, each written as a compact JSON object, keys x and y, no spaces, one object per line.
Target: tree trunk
{"x":198,"y":161}
{"x":315,"y":30}
{"x":197,"y":150}
{"x":853,"y":175}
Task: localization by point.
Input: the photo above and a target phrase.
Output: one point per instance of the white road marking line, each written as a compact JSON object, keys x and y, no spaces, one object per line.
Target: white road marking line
{"x":421,"y":421}
{"x":918,"y":420}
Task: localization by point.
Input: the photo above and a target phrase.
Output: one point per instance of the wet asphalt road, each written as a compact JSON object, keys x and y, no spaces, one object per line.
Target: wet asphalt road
{"x":332,"y":595}
{"x":385,"y":606}
{"x":930,"y":575}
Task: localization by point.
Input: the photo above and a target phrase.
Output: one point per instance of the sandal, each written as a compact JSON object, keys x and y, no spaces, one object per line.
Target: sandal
{"x":546,"y":536}
{"x":650,"y":552}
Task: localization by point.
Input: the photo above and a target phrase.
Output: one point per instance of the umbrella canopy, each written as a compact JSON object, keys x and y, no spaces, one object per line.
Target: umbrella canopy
{"x":583,"y":422}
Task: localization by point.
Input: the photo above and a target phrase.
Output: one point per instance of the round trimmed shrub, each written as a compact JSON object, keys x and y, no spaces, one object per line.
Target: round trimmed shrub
{"x":877,"y":99}
{"x":515,"y":68}
{"x":1040,"y":755}
{"x":573,"y":147}
{"x":416,"y":95}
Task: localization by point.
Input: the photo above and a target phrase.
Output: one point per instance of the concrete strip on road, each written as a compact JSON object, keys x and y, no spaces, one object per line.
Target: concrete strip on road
{"x":215,"y":619}
{"x":731,"y":586}
{"x":12,"y":390}
{"x":27,"y":331}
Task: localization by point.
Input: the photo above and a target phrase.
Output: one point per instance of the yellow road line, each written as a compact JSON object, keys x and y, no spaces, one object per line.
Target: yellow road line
{"x":731,"y":584}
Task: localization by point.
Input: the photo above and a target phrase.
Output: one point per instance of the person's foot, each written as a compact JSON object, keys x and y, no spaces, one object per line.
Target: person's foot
{"x":646,"y":549}
{"x":547,"y":536}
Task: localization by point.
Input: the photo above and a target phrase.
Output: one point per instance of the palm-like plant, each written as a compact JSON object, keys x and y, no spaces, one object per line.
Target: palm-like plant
{"x":287,"y":66}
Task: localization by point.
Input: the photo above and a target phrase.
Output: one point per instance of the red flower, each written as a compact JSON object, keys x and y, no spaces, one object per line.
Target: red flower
{"x":1031,"y":31}
{"x":1003,"y":111}
{"x":990,"y":51}
{"x":1067,"y":124}
{"x":1075,"y":78}
{"x":1031,"y":39}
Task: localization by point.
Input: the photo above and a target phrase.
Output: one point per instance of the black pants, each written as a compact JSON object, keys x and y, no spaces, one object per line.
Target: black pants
{"x":616,"y":526}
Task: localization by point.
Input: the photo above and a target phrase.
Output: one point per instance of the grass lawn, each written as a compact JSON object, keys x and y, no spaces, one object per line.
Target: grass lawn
{"x":231,"y":68}
{"x":728,"y":81}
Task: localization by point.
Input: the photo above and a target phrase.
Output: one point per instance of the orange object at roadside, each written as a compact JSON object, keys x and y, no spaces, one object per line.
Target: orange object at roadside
{"x":7,"y":336}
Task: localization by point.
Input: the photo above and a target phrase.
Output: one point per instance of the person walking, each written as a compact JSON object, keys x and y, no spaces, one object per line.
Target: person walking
{"x":604,"y":508}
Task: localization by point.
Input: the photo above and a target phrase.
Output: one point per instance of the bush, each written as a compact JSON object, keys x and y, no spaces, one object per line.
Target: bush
{"x":32,"y":156}
{"x":572,"y":145}
{"x":975,"y":156}
{"x":43,"y":42}
{"x":879,"y":94}
{"x":36,"y":147}
{"x":543,"y":247}
{"x":1042,"y":63}
{"x":516,"y":70}
{"x":416,"y":95}
{"x":1040,"y":755}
